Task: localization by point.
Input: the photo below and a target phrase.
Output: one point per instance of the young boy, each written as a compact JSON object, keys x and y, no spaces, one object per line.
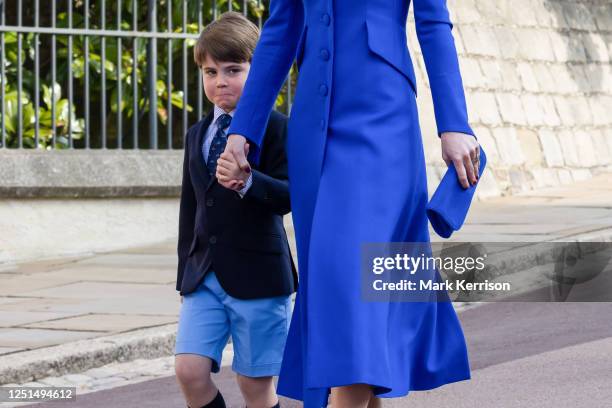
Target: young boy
{"x":235,"y":271}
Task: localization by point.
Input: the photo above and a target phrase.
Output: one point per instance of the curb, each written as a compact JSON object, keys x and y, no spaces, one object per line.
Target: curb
{"x":78,"y":356}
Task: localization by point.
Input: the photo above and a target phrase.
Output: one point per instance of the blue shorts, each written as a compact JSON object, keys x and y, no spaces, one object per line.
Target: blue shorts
{"x":258,"y":327}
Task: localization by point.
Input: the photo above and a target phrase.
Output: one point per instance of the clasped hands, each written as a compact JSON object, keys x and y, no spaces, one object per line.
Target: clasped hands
{"x":232,"y":166}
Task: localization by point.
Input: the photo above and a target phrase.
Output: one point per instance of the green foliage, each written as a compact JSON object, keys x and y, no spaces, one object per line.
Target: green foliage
{"x":121,"y":59}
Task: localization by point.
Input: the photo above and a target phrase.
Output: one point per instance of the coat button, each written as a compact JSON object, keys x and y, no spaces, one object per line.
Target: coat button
{"x":210,"y":202}
{"x":212,"y":240}
{"x":324,"y":54}
{"x":323,"y":90}
{"x":325,"y":19}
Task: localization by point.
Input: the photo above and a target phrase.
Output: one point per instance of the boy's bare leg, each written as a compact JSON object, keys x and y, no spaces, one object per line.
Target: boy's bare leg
{"x":193,"y":375}
{"x":354,"y":396}
{"x":258,"y":392}
{"x":375,"y":402}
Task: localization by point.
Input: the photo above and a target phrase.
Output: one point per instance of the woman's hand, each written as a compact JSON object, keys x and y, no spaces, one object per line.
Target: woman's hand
{"x":229,"y":174}
{"x":236,"y":146}
{"x":463,"y":151}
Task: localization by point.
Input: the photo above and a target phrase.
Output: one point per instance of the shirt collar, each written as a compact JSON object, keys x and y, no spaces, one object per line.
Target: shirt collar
{"x":218,"y":112}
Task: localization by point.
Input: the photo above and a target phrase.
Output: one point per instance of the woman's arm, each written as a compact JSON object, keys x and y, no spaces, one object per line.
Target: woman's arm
{"x":272,"y":60}
{"x":433,"y":27}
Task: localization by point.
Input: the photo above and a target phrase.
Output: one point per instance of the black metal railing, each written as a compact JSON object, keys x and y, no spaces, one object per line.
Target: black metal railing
{"x":92,"y":74}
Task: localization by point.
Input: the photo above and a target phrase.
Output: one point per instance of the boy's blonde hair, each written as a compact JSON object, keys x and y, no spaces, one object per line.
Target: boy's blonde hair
{"x":230,"y":38}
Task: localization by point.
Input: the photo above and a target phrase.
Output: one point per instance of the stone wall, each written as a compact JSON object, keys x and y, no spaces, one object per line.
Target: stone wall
{"x":538,"y":85}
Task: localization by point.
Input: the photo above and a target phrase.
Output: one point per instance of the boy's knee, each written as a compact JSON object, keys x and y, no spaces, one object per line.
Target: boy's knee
{"x":192,"y":370}
{"x":254,"y":384}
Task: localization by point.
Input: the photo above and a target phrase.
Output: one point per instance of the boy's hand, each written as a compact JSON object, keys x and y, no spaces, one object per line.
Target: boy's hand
{"x":229,"y":174}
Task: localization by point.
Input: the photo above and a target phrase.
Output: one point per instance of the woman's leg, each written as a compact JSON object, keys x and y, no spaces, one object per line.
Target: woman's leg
{"x":354,"y":396}
{"x":258,"y":392}
{"x":193,"y":376}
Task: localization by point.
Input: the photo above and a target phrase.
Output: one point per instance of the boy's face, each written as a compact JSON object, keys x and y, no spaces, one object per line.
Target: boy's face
{"x":223,"y":82}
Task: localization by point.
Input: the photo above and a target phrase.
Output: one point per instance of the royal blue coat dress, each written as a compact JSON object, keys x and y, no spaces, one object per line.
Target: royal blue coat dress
{"x":357,"y":174}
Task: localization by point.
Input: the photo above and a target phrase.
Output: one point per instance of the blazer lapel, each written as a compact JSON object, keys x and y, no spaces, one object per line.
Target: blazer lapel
{"x":201,"y":164}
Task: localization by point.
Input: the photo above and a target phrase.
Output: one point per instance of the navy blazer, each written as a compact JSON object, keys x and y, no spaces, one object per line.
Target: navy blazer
{"x":242,"y":240}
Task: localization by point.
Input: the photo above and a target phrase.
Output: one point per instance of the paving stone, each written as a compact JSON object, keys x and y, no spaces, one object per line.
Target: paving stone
{"x":17,"y":318}
{"x":8,"y":350}
{"x":104,"y":290}
{"x":34,"y":338}
{"x":20,"y":284}
{"x":104,"y":322}
{"x":122,"y":260}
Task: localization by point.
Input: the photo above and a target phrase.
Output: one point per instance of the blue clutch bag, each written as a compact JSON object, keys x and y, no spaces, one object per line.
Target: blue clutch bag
{"x":450,"y":202}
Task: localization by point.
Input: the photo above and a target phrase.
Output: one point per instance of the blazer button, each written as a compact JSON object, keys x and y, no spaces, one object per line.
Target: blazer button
{"x":212,"y":240}
{"x":210,"y":202}
{"x":324,"y":54}
{"x":325,"y":19}
{"x":323,"y":90}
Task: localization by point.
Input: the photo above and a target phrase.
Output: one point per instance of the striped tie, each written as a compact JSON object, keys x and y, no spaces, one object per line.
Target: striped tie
{"x":218,"y":143}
